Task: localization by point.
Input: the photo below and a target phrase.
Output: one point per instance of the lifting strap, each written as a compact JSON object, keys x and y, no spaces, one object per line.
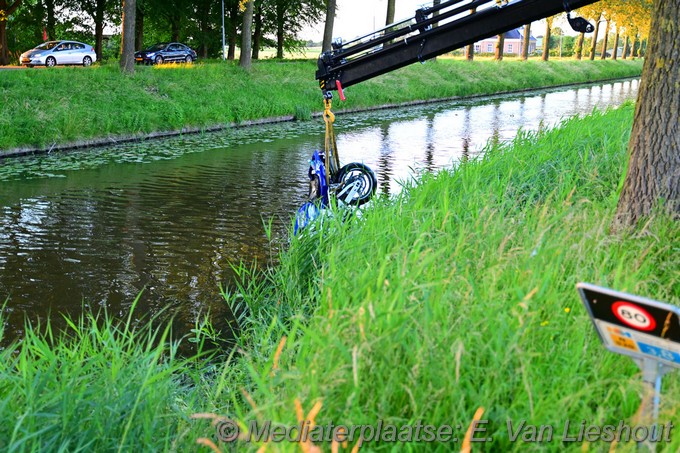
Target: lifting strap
{"x":331,"y":147}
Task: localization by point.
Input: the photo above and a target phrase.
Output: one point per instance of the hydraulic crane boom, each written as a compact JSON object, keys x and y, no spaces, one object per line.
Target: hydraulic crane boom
{"x":431,"y":32}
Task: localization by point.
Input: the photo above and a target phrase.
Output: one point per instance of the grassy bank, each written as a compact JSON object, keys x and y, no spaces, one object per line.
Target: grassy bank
{"x":458,"y":294}
{"x":461,"y":294}
{"x":41,"y":108}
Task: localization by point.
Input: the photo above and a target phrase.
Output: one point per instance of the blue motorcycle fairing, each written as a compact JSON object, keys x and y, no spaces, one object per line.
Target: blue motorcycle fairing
{"x":307,"y":213}
{"x":317,"y":168}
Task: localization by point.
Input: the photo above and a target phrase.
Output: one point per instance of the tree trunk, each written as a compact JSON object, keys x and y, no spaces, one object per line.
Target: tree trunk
{"x":594,"y":44}
{"x":139,"y":29}
{"x":625,"y":49}
{"x":7,"y":11}
{"x":245,"y":60}
{"x":653,"y":176}
{"x":500,"y":44}
{"x":389,"y":19}
{"x":616,"y":44}
{"x":328,"y":27}
{"x":526,"y":42}
{"x":579,"y":46}
{"x":233,"y":30}
{"x":604,"y":41}
{"x":279,"y":42}
{"x":51,"y":20}
{"x":280,"y":21}
{"x":470,"y":50}
{"x":127,"y":54}
{"x":257,"y":35}
{"x":4,"y":52}
{"x":546,"y":41}
{"x":633,"y":52}
{"x":99,"y":33}
{"x":175,"y":27}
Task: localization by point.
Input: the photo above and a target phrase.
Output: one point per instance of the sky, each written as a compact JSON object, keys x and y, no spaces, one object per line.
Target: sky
{"x":359,"y":17}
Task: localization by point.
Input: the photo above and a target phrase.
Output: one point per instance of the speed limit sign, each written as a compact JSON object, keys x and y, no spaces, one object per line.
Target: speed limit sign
{"x":634,"y":325}
{"x":633,"y":316}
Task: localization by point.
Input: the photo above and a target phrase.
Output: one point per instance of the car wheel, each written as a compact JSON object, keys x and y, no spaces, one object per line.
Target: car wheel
{"x":158,"y":60}
{"x":189,"y":59}
{"x":87,"y":61}
{"x":50,"y":62}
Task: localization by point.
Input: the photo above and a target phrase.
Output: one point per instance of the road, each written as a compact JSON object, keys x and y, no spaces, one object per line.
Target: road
{"x":14,"y":67}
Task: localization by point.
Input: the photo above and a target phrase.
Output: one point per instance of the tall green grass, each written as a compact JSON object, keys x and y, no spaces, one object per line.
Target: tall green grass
{"x":461,"y":294}
{"x":43,"y":108}
{"x":458,"y":294}
{"x":101,"y":385}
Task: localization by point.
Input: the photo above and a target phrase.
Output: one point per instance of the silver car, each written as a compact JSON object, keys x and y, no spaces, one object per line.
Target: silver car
{"x":52,"y":53}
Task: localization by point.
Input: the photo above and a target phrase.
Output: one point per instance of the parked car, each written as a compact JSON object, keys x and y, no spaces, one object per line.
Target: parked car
{"x":166,"y":52}
{"x":52,"y":53}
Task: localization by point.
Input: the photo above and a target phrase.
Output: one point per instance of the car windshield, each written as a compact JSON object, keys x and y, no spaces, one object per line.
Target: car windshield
{"x":48,"y":45}
{"x":156,"y":47}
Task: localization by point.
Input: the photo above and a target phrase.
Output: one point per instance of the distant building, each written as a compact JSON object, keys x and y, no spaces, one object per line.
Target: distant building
{"x":512,"y":46}
{"x":539,"y":42}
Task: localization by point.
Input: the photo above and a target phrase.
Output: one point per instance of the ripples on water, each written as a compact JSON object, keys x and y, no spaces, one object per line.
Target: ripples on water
{"x":93,"y":228}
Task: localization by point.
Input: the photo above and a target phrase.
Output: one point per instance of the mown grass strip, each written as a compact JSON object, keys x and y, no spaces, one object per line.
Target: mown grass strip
{"x":43,"y":108}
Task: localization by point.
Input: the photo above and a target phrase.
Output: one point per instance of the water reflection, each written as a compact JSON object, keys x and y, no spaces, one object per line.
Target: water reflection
{"x":169,"y":217}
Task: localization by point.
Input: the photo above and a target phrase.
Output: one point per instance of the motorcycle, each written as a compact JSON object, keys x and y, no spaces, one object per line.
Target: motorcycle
{"x":352,"y":185}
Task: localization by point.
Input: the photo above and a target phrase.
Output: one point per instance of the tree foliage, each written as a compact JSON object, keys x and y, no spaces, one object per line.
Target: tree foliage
{"x":197,"y":23}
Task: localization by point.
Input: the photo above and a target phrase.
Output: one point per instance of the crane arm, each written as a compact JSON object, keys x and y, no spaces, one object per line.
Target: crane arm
{"x":433,"y":31}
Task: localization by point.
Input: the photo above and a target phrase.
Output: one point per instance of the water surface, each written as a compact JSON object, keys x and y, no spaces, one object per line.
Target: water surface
{"x":168,"y":218}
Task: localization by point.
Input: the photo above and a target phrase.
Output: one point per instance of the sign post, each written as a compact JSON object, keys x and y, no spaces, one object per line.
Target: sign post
{"x":644,"y":329}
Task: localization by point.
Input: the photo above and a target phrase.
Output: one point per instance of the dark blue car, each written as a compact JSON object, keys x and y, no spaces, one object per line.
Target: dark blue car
{"x":169,"y":52}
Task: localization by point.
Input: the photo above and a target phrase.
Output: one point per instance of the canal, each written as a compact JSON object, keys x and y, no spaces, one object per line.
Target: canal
{"x":93,"y":229}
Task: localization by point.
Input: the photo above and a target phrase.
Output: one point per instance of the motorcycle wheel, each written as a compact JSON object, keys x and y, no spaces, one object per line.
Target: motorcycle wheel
{"x":357,"y":184}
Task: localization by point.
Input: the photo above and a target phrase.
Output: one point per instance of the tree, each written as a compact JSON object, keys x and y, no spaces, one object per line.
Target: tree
{"x":139,"y":26}
{"x":259,"y":31}
{"x":578,"y":51}
{"x":595,"y":33}
{"x":500,"y":43}
{"x":289,"y":16}
{"x":6,"y":10}
{"x":245,"y":60}
{"x":232,"y":27}
{"x":546,"y":38}
{"x":99,"y":11}
{"x":127,"y":54}
{"x":606,"y":37}
{"x":633,"y":16}
{"x":617,"y":37}
{"x":470,"y":49}
{"x":328,"y":27}
{"x":526,"y":41}
{"x":389,"y":19}
{"x":625,"y":48}
{"x":653,"y":176}
{"x":50,"y":19}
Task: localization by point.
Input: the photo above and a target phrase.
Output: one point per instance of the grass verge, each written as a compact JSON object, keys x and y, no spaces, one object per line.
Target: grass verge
{"x":43,"y":108}
{"x":460,"y":294}
{"x":456,"y":295}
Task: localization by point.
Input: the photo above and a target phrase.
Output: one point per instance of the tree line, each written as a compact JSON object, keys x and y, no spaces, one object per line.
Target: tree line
{"x":626,"y":22}
{"x":198,"y":23}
